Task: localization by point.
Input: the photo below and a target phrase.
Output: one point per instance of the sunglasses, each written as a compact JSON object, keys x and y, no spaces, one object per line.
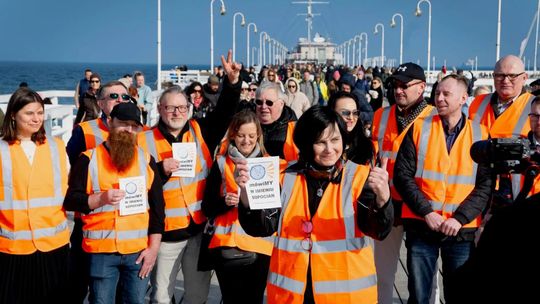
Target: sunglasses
{"x":94,"y":81}
{"x":405,"y":86}
{"x":125,"y":97}
{"x":197,"y":91}
{"x":292,"y":86}
{"x":252,"y":90}
{"x":260,"y":102}
{"x":348,"y":113}
{"x":307,"y":228}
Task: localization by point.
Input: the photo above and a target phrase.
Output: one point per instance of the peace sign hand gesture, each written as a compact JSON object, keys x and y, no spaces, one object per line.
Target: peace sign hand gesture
{"x":232,"y":69}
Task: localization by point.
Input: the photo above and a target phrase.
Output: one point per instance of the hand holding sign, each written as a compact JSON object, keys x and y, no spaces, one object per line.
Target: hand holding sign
{"x":262,"y":185}
{"x":186,"y":155}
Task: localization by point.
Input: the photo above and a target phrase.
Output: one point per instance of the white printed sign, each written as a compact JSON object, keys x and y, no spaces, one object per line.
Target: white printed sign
{"x":263,"y":185}
{"x":186,"y":154}
{"x":136,"y":200}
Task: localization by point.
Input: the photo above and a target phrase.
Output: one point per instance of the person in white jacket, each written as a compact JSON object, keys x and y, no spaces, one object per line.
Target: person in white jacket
{"x":296,"y":100}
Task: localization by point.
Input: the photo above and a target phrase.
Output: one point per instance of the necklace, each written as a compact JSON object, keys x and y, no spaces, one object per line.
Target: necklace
{"x":320,"y":190}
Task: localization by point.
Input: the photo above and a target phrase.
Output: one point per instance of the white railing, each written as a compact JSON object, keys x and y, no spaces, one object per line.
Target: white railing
{"x":184,"y":78}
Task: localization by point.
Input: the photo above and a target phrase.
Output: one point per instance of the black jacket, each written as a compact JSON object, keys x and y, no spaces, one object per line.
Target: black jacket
{"x":404,"y":181}
{"x":274,"y":134}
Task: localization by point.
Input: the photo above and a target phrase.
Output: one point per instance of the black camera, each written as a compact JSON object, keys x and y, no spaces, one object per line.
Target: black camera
{"x":506,"y":155}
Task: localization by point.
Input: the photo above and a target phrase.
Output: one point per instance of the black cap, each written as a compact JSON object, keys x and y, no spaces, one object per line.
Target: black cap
{"x":127,"y":111}
{"x":407,"y":72}
{"x":535,"y":83}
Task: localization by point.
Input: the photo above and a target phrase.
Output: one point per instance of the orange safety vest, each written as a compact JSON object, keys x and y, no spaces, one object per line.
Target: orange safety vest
{"x":31,"y":198}
{"x":444,"y":179}
{"x":341,"y":256}
{"x":183,"y":195}
{"x":387,"y":139}
{"x":228,"y":231}
{"x":104,"y":230}
{"x":95,"y":132}
{"x":512,"y":122}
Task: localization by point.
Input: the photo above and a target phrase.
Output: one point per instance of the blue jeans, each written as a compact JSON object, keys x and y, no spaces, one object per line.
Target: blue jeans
{"x":422,"y":255}
{"x":106,"y":269}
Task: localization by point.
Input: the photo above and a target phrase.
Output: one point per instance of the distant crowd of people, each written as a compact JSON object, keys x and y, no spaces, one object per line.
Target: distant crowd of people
{"x":367,"y":160}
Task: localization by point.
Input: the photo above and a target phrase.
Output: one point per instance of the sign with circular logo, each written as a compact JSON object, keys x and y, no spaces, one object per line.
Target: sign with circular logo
{"x":257,"y":172}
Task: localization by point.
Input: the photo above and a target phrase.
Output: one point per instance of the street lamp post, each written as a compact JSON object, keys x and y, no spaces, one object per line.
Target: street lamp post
{"x":353,"y":50}
{"x":382,"y":40}
{"x":261,"y":48}
{"x":364,"y":35}
{"x":498,"y":44}
{"x":159,"y":45}
{"x":247,"y":48}
{"x":243,"y":23}
{"x":393,"y":24}
{"x":359,"y":63}
{"x":419,"y":13}
{"x":253,"y":51}
{"x":222,"y":12}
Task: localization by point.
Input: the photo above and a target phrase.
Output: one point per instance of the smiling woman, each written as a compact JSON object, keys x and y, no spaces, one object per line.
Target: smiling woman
{"x":33,"y":235}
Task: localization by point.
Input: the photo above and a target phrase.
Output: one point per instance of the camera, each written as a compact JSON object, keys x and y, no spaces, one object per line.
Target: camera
{"x":506,"y":155}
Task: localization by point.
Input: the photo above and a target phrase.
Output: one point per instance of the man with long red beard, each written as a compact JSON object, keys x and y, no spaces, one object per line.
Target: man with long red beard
{"x":122,"y":246}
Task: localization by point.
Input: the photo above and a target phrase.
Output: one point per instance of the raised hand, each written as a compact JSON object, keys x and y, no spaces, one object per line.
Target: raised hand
{"x":232,"y":69}
{"x":378,"y":182}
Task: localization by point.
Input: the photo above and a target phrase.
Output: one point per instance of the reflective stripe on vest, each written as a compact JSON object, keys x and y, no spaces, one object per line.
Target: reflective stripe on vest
{"x":482,"y":108}
{"x":382,"y":130}
{"x":33,"y":234}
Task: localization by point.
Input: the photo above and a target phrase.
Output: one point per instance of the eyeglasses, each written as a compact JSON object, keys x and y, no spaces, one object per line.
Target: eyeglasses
{"x":534,"y":116}
{"x":172,"y":109}
{"x":260,"y":102}
{"x":307,"y":228}
{"x":502,"y":76}
{"x":197,"y":91}
{"x":405,"y":86}
{"x":348,"y":113}
{"x":292,"y":86}
{"x":252,"y":90}
{"x":125,"y":97}
{"x":94,"y":81}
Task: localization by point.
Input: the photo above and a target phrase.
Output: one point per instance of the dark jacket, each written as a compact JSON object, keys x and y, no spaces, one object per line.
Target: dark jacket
{"x":88,"y":108}
{"x":214,"y":96}
{"x":366,"y":112}
{"x":274,"y":134}
{"x":475,"y":203}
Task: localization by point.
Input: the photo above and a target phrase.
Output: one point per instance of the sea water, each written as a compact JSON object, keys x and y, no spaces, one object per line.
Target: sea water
{"x":42,"y":76}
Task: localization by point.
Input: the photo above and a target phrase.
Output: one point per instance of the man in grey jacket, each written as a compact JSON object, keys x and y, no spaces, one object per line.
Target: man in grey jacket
{"x":309,"y":87}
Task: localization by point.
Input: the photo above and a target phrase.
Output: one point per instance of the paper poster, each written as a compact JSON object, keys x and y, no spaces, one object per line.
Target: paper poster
{"x":263,"y":185}
{"x":136,"y":200}
{"x":186,"y":154}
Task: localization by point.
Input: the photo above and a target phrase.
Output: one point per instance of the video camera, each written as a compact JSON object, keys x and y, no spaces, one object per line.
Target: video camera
{"x":506,"y":155}
{"x":509,"y":156}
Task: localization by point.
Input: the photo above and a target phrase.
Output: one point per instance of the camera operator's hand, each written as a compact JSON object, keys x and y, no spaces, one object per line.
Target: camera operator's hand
{"x":450,"y":227}
{"x":434,"y":220}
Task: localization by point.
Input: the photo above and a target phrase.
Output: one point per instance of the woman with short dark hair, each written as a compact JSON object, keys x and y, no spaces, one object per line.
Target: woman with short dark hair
{"x":331,"y":210}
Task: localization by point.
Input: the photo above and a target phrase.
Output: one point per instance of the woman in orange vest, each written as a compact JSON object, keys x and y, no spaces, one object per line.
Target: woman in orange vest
{"x":34,"y":231}
{"x":331,"y":210}
{"x":241,"y":279}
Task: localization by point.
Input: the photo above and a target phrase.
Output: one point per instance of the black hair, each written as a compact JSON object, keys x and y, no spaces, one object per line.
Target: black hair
{"x":342,"y":94}
{"x":311,"y":126}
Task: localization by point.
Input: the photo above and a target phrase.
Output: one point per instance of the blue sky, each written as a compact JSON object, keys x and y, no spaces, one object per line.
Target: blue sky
{"x":124,"y":31}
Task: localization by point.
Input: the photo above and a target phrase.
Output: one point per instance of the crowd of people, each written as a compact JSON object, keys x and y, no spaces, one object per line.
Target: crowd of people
{"x":366,"y":161}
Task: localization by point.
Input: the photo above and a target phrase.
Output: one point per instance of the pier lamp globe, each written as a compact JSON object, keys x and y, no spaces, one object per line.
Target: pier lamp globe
{"x":222,"y":11}
{"x":418,"y":12}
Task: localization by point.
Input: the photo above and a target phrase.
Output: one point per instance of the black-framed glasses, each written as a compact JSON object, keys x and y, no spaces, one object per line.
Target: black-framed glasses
{"x":125,"y":97}
{"x":172,"y":109}
{"x":260,"y":102}
{"x":534,"y":116}
{"x":405,"y":86}
{"x":307,"y":228}
{"x":252,"y":89}
{"x":95,"y":81}
{"x":502,"y":76}
{"x":348,"y":113}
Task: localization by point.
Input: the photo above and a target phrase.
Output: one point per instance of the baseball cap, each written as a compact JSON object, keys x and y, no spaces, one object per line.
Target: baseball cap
{"x":127,"y":111}
{"x":407,"y":72}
